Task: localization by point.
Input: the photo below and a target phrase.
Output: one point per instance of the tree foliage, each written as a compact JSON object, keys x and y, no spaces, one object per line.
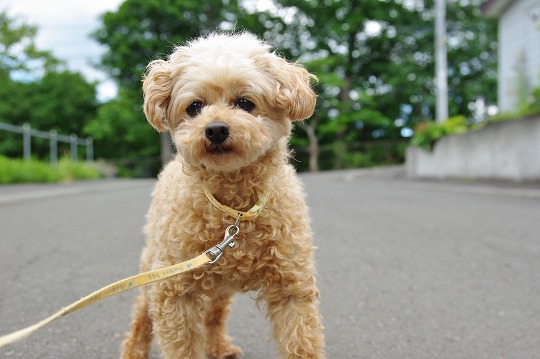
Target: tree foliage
{"x":142,"y":30}
{"x":63,"y":101}
{"x":120,"y":130}
{"x":19,"y":55}
{"x":38,"y":90}
{"x":375,"y":62}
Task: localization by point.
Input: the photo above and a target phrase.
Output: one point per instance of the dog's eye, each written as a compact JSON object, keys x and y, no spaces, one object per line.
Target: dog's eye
{"x":194,"y":108}
{"x":245,"y":104}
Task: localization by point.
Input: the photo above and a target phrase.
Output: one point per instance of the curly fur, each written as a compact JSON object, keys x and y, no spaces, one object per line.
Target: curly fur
{"x":273,"y":255}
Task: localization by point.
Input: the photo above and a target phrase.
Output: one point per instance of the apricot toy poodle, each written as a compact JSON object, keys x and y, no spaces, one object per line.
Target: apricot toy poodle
{"x":228,"y":102}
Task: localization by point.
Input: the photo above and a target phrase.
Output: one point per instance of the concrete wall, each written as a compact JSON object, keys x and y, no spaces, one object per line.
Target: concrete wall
{"x":508,"y":150}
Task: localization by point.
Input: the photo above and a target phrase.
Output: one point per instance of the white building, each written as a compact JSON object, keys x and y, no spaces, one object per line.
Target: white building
{"x":519,"y":49}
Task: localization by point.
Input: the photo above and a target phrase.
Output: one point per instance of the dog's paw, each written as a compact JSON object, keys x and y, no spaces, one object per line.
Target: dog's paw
{"x":228,"y":351}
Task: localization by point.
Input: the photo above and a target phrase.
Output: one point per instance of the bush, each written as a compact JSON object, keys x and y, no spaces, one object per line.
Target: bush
{"x":427,"y":133}
{"x":21,"y":171}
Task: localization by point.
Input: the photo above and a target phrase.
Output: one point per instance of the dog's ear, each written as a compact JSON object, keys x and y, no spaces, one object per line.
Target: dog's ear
{"x":157,"y":86}
{"x":294,"y":92}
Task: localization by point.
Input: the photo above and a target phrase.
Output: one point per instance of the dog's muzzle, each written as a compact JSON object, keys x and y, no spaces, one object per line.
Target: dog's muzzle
{"x":217,"y":132}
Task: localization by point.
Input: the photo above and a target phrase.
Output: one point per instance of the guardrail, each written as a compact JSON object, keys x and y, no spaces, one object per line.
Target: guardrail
{"x":54,"y":138}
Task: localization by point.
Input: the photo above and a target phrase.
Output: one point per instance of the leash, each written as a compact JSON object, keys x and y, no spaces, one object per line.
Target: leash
{"x":110,"y":290}
{"x":209,"y":257}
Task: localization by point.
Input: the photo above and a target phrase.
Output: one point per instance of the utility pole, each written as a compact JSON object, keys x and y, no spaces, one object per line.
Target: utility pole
{"x":441,"y":65}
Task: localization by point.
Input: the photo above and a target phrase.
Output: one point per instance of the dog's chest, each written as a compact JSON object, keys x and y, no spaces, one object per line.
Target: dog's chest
{"x":248,"y":262}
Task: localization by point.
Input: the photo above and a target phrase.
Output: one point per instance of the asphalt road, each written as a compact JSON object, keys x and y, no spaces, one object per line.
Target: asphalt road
{"x":406,"y":269}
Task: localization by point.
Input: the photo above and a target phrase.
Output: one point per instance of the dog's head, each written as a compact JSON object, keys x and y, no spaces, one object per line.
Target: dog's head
{"x":226,"y":99}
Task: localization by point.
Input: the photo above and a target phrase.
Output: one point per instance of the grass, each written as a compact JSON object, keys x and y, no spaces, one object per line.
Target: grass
{"x":32,"y":171}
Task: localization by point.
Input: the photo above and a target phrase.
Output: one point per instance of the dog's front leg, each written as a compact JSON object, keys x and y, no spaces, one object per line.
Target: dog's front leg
{"x":137,"y":343}
{"x":177,"y":321}
{"x":294,"y":311}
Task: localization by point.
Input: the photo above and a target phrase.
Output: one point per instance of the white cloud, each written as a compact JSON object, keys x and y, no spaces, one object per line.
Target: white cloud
{"x":64,"y":27}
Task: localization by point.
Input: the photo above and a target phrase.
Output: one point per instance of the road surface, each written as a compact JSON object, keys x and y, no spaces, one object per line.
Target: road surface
{"x":406,"y":269}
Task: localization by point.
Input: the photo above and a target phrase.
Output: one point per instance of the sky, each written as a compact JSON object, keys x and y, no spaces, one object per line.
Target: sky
{"x":64,"y":27}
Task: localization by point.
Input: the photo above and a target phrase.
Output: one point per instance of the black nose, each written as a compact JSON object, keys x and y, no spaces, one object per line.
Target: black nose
{"x":217,"y":132}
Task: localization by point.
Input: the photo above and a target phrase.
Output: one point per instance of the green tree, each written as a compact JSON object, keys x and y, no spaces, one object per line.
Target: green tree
{"x":19,"y":55}
{"x":345,"y":42}
{"x":376,"y":65}
{"x":36,"y":89}
{"x":120,"y":130}
{"x":142,"y":30}
{"x":472,"y":58}
{"x":62,"y":100}
{"x":20,"y":63}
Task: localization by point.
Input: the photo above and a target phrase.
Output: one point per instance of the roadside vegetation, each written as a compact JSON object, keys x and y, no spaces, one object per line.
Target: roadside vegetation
{"x":21,"y":171}
{"x":427,"y":133}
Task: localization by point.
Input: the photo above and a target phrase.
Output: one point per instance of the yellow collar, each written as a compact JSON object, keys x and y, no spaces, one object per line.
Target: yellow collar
{"x":249,"y":215}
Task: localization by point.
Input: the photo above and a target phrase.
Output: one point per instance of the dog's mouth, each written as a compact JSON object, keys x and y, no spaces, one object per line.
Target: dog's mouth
{"x":218,"y":149}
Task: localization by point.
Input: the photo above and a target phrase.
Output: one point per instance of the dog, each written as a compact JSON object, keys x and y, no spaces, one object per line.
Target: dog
{"x":229,"y":103}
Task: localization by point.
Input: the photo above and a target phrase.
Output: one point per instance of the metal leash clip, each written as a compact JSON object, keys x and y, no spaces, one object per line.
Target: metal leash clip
{"x":228,"y":240}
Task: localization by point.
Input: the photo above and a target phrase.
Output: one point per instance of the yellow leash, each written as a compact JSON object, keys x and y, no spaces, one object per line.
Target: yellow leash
{"x":110,"y":290}
{"x":208,"y":257}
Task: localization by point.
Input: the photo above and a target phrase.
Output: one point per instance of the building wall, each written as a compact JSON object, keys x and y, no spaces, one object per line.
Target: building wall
{"x":519,"y":52}
{"x":508,"y":150}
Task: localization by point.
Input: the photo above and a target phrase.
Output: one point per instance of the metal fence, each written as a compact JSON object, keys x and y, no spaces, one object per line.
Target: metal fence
{"x":53,"y":137}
